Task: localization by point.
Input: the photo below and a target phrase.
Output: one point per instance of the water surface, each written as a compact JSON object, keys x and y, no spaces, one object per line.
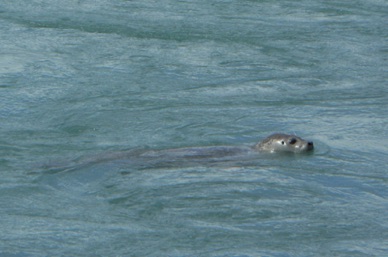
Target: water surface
{"x":80,"y":79}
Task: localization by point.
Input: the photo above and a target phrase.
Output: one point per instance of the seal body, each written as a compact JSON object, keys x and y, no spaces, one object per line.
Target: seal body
{"x":272,"y":144}
{"x":284,"y":143}
{"x":195,"y":155}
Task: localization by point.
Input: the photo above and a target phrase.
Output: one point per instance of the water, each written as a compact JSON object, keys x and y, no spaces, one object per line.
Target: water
{"x":80,"y":79}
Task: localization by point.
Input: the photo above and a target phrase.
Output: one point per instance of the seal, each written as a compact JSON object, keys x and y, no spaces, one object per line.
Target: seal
{"x":96,"y":170}
{"x":284,"y":143}
{"x":194,"y":155}
{"x":274,"y":143}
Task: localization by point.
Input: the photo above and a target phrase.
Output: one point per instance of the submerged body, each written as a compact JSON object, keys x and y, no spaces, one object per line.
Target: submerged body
{"x":275,"y":143}
{"x":197,"y":155}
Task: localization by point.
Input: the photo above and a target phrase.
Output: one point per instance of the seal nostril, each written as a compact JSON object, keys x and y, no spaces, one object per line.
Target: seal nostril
{"x":310,"y":143}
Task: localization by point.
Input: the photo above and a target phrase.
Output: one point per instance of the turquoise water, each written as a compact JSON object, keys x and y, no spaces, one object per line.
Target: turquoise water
{"x":82,"y":80}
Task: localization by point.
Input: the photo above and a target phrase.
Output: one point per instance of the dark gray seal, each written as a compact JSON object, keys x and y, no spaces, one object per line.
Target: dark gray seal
{"x":83,"y":174}
{"x":274,"y":143}
{"x":191,"y":156}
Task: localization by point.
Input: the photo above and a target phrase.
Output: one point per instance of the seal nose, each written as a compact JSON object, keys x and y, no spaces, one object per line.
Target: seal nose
{"x":310,"y":144}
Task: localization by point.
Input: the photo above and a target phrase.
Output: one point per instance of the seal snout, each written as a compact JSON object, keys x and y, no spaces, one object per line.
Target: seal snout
{"x":310,"y":145}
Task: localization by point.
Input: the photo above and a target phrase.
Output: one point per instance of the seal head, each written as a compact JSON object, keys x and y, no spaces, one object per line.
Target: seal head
{"x":284,"y":143}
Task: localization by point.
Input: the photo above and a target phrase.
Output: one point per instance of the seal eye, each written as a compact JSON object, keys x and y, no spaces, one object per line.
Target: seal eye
{"x":282,"y":142}
{"x":292,"y":141}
